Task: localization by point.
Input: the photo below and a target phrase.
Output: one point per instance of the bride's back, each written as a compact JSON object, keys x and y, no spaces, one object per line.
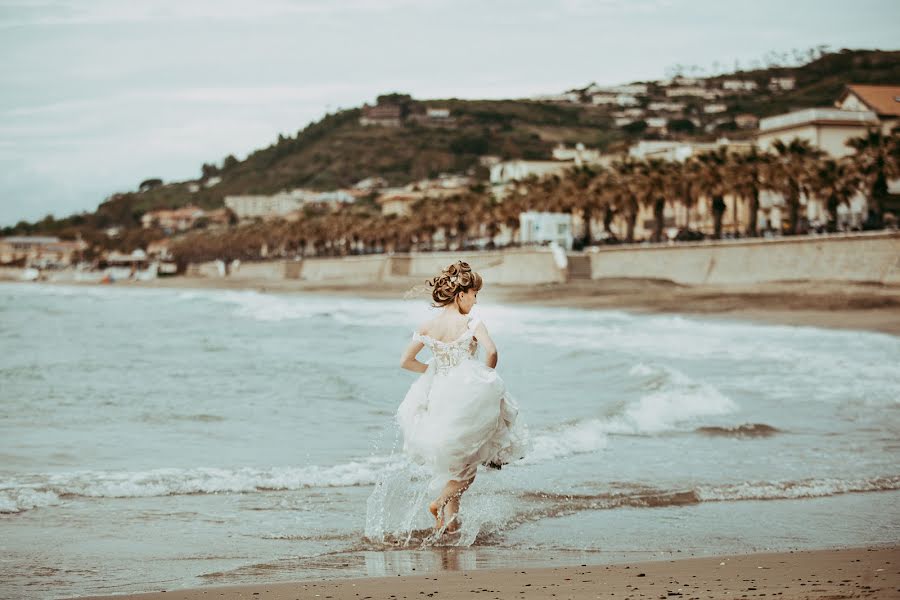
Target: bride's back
{"x":445,"y":328}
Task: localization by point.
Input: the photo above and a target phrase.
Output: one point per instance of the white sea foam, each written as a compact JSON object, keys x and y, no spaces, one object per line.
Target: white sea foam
{"x":806,"y":488}
{"x":578,"y":438}
{"x":33,"y":491}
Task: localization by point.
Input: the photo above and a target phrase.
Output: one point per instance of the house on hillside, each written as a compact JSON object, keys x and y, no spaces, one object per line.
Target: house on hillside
{"x":40,"y":251}
{"x":176,"y":219}
{"x":715,"y":108}
{"x":782,"y":84}
{"x":746,"y":121}
{"x":691,"y":91}
{"x":604,"y":99}
{"x":390,"y":115}
{"x":265,"y":207}
{"x":674,"y":107}
{"x":433,"y":117}
{"x":578,"y":154}
{"x":883,"y":100}
{"x":739,"y":85}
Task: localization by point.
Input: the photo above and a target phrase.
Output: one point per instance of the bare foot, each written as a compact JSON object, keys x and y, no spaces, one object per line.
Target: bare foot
{"x":453,"y":524}
{"x":436,"y":511}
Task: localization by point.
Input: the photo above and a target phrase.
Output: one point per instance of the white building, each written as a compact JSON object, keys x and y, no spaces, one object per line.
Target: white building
{"x":546,"y":227}
{"x":518,"y":170}
{"x":627,"y":100}
{"x":825,"y":128}
{"x":739,"y":85}
{"x":253,"y":206}
{"x":782,"y":84}
{"x":578,"y":154}
{"x":604,"y":99}
{"x":883,"y":100}
{"x":693,"y":91}
{"x":714,"y":109}
{"x":566,"y":97}
{"x":672,"y":150}
{"x":666,"y":106}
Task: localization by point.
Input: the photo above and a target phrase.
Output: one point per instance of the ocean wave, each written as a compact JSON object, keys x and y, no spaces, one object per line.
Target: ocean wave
{"x":672,"y":398}
{"x":49,"y":489}
{"x":643,"y":497}
{"x":747,"y":430}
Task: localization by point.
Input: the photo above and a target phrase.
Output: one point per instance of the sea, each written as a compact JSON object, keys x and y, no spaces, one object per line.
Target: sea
{"x":157,"y":439}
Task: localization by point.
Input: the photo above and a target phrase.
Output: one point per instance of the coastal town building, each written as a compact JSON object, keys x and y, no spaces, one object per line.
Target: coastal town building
{"x":825,"y":128}
{"x":739,"y":85}
{"x":604,"y":99}
{"x":546,"y":227}
{"x":177,"y":219}
{"x":262,"y":206}
{"x":679,"y":151}
{"x":746,"y":121}
{"x":883,"y":100}
{"x":390,"y":115}
{"x":578,"y":154}
{"x":782,"y":84}
{"x":433,"y":117}
{"x":40,"y":251}
{"x":691,"y":91}
{"x":567,"y":97}
{"x":675,"y":107}
{"x":399,"y":201}
{"x":716,"y":108}
{"x":286,"y":203}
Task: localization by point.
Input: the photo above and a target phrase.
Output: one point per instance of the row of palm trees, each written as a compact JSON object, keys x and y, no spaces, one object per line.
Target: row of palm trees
{"x":600,"y":195}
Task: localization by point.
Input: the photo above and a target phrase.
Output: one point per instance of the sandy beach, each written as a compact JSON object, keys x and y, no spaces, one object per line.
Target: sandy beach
{"x":831,"y":574}
{"x":837,"y":304}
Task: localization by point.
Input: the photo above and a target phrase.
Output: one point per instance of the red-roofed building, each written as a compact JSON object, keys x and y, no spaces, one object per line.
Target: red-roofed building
{"x":883,"y":100}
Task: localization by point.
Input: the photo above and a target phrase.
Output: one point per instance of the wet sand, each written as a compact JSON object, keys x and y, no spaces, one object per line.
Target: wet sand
{"x":831,"y":574}
{"x":832,"y":304}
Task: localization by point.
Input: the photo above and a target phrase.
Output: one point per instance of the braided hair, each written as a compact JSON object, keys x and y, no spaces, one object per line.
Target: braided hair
{"x":456,"y":278}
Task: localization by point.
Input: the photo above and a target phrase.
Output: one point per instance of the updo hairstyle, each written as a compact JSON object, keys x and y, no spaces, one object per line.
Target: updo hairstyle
{"x":458,"y":277}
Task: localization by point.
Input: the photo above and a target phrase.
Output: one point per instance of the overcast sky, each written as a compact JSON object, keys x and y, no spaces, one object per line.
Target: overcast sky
{"x":98,"y":95}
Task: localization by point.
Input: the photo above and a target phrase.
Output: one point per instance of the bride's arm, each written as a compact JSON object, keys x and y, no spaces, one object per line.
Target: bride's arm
{"x":490,"y":349}
{"x":408,"y":359}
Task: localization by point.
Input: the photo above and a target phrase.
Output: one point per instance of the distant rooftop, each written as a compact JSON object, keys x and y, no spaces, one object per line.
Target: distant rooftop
{"x":882,"y":99}
{"x":29,"y":239}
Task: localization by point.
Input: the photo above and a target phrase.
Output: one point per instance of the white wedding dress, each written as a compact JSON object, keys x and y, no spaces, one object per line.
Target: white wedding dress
{"x":458,"y":415}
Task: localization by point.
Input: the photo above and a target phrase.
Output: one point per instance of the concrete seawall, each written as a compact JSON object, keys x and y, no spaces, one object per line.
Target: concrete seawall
{"x":871,"y":257}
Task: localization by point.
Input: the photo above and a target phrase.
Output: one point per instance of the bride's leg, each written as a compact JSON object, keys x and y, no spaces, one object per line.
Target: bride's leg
{"x":452,"y":502}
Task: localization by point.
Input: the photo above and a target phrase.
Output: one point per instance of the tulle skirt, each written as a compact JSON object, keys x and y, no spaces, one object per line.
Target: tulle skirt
{"x":456,"y":420}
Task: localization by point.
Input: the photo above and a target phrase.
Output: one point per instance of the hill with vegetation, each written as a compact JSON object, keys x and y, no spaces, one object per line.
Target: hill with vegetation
{"x":338,"y":151}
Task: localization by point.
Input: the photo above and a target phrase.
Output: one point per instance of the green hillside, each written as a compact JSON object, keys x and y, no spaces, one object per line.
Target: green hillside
{"x":337,"y":151}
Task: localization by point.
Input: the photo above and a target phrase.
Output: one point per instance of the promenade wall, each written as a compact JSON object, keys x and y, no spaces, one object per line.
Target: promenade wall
{"x":871,"y":257}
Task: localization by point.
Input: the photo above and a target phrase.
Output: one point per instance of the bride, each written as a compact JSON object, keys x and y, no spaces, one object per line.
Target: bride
{"x":458,"y":414}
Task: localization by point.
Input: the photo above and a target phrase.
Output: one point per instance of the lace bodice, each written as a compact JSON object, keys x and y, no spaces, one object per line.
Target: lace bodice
{"x":449,"y":354}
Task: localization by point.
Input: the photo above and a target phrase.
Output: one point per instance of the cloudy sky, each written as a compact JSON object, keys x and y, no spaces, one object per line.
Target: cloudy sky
{"x":100,"y":94}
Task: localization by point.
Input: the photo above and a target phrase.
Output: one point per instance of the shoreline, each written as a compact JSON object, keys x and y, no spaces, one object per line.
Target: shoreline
{"x":831,"y":304}
{"x":870,"y":572}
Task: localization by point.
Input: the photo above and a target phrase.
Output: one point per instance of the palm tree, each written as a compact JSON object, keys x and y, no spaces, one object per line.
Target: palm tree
{"x":876,"y":163}
{"x":714,"y":166}
{"x":790,"y":174}
{"x":653,"y":180}
{"x":748,"y":170}
{"x":836,"y":182}
{"x":628,"y":179}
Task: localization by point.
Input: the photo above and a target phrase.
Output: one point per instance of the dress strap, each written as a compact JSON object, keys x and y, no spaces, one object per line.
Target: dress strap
{"x":473,"y":323}
{"x":418,"y":337}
